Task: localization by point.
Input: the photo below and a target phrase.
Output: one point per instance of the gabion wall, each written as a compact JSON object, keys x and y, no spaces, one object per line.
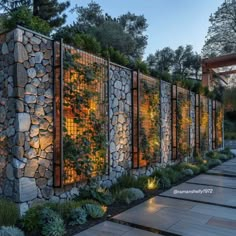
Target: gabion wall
{"x":27,"y":128}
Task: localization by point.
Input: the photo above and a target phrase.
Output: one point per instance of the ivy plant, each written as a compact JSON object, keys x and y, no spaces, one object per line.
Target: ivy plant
{"x":85,"y":139}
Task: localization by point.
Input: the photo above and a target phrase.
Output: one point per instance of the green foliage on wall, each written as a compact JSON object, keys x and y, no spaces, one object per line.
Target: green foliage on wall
{"x":85,"y":140}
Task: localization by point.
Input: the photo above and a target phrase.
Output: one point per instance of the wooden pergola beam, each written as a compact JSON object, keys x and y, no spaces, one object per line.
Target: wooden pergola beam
{"x":221,"y":61}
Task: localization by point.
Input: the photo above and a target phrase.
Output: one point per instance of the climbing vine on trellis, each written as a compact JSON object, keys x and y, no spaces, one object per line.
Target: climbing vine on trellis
{"x":85,"y":140}
{"x":182,"y":125}
{"x":219,"y":126}
{"x":204,"y":124}
{"x":150,"y":136}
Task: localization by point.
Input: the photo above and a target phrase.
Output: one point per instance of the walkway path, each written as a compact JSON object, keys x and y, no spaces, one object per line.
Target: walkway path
{"x":204,"y":205}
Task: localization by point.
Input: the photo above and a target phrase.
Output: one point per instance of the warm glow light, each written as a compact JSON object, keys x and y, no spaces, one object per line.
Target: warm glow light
{"x":104,"y":208}
{"x":205,"y":161}
{"x":152,"y":183}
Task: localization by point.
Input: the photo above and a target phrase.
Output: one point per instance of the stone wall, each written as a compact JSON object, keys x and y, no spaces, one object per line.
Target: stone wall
{"x":7,"y":115}
{"x":165,"y":122}
{"x":120,"y":120}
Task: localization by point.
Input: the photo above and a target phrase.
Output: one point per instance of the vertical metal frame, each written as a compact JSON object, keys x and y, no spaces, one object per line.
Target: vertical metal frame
{"x":108,"y":114}
{"x":213,"y":124}
{"x":174,"y":150}
{"x":160,"y":122}
{"x":135,"y":119}
{"x":190,"y":125}
{"x":58,"y":114}
{"x":197,"y":123}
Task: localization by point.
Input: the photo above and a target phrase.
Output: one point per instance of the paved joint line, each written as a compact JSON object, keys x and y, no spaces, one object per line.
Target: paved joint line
{"x":145,"y":228}
{"x":197,"y":201}
{"x":219,"y":174}
{"x":210,"y":185}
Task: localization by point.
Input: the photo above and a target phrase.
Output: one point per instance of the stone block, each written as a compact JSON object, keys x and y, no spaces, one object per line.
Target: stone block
{"x":20,"y":53}
{"x":21,"y":77}
{"x":31,"y":167}
{"x":23,"y":122}
{"x":27,"y":189}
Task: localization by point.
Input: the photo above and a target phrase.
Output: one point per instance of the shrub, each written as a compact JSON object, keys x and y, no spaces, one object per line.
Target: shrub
{"x":78,"y":216}
{"x":51,"y":223}
{"x":64,"y":209}
{"x":127,"y":181}
{"x":104,"y":196}
{"x":9,"y":212}
{"x":195,"y":169}
{"x":222,"y":157}
{"x":30,"y":221}
{"x":227,"y":152}
{"x":185,"y":165}
{"x":197,"y":157}
{"x":10,"y":231}
{"x":165,"y":182}
{"x":211,"y":154}
{"x":203,"y":168}
{"x":187,"y":172}
{"x":54,"y":228}
{"x":129,"y":195}
{"x":142,"y":182}
{"x":214,"y":162}
{"x":95,"y":211}
{"x":173,"y":175}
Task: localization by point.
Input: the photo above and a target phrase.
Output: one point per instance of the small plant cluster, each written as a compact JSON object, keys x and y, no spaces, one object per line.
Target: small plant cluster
{"x":97,"y":193}
{"x":172,"y":174}
{"x":52,"y":218}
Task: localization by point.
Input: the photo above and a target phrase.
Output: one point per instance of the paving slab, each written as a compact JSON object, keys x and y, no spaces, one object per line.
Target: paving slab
{"x":181,"y":217}
{"x":224,"y":223}
{"x":203,"y":193}
{"x":191,"y":229}
{"x":215,"y":211}
{"x":108,"y":228}
{"x":220,"y":181}
{"x":227,"y":168}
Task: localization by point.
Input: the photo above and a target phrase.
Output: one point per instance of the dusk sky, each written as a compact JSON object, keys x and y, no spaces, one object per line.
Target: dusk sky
{"x":171,"y":22}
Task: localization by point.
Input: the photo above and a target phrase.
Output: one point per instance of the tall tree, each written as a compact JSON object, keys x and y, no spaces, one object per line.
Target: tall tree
{"x":48,"y":10}
{"x":162,"y":61}
{"x":51,"y":11}
{"x":135,"y":26}
{"x":221,"y":36}
{"x":12,"y":5}
{"x":182,"y":62}
{"x":125,"y":33}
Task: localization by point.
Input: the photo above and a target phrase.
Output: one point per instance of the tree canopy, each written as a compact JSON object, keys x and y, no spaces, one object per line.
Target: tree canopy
{"x":121,"y":38}
{"x":44,"y":13}
{"x":221,"y":37}
{"x":182,"y":62}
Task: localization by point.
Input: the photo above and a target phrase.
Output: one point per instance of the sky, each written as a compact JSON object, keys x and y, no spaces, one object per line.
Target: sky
{"x":171,"y":22}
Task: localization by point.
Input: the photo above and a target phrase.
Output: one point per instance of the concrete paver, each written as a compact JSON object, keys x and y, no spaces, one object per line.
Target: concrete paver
{"x":220,"y":181}
{"x":108,"y":228}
